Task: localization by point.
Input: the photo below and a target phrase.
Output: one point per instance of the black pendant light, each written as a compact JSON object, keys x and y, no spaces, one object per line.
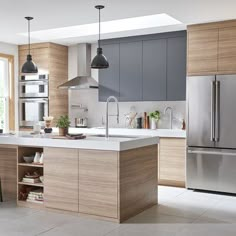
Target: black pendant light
{"x":99,"y":61}
{"x":29,"y":66}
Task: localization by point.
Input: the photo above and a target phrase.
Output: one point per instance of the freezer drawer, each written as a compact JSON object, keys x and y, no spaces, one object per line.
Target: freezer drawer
{"x":211,"y":169}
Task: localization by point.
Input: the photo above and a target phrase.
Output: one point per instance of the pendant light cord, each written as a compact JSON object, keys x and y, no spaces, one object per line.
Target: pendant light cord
{"x":29,"y":35}
{"x":99,"y":28}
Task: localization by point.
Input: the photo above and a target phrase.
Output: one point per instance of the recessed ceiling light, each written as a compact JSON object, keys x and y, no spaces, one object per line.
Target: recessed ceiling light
{"x":128,"y":24}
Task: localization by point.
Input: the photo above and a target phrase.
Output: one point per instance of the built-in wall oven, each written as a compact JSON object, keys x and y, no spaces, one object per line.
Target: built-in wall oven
{"x":33,"y":99}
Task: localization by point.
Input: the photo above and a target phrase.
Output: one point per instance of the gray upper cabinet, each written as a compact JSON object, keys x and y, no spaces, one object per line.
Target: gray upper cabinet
{"x":145,"y":68}
{"x":176,"y":69}
{"x":131,"y":71}
{"x":154,"y":70}
{"x":109,"y":78}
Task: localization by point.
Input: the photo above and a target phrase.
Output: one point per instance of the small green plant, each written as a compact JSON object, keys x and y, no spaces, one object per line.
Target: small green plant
{"x":155,"y":115}
{"x":63,"y":122}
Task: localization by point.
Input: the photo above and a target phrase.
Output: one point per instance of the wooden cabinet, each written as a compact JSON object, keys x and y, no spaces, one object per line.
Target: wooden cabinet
{"x":154,"y":70}
{"x":51,"y":59}
{"x":172,"y":158}
{"x":8,"y":161}
{"x":227,"y":50}
{"x":61,"y":179}
{"x":98,"y":183}
{"x":109,"y":79}
{"x":212,"y":48}
{"x":202,"y":51}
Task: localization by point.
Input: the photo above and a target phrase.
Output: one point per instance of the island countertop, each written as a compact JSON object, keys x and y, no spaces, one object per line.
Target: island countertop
{"x":91,"y":142}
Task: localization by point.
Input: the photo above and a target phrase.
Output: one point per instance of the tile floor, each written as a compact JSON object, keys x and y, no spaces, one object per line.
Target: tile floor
{"x":180,"y":212}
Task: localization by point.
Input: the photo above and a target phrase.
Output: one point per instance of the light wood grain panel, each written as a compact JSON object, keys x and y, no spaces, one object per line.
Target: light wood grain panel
{"x":172,"y":158}
{"x":61,"y":178}
{"x":202,"y":51}
{"x":98,"y":183}
{"x":138,"y":180}
{"x":8,"y":169}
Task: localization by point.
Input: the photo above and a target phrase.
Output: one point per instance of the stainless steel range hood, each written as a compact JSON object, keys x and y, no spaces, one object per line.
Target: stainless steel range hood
{"x":82,"y":57}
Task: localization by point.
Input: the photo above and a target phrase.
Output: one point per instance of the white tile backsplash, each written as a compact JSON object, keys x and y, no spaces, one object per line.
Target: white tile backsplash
{"x":97,"y":110}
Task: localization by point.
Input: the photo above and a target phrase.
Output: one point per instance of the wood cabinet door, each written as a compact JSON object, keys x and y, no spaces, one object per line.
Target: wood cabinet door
{"x":172,"y":153}
{"x":8,"y":163}
{"x":227,"y":50}
{"x":98,"y":183}
{"x":202,"y":51}
{"x":61,"y":178}
{"x":109,"y":79}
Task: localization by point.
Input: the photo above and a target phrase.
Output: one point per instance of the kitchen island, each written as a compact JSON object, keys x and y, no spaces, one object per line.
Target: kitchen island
{"x":112,"y":179}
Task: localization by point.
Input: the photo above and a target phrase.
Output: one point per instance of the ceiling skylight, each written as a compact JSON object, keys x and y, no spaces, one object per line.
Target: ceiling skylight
{"x":128,"y":24}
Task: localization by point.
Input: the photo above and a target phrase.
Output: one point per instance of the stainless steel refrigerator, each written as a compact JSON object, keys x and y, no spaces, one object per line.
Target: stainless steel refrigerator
{"x":211,"y":133}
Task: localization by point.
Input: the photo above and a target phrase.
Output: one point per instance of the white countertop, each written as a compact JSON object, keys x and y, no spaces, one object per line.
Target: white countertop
{"x":91,"y":142}
{"x":163,"y":133}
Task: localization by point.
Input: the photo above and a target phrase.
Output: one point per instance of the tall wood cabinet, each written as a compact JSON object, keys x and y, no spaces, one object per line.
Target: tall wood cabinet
{"x":51,"y":59}
{"x":211,"y":48}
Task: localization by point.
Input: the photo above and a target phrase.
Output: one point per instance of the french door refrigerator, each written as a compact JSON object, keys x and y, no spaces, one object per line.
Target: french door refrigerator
{"x":211,"y":133}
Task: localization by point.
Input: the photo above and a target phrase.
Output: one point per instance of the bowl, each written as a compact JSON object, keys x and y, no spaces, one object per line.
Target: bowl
{"x":28,"y":159}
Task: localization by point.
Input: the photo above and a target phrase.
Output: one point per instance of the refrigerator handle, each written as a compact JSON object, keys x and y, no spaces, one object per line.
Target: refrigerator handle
{"x":213,"y":91}
{"x":217,"y":112}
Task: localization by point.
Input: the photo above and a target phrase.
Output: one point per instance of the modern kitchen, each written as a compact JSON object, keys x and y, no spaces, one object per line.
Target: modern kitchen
{"x":117,"y":118}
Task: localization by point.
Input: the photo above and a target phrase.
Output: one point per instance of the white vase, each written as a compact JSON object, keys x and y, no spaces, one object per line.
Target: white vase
{"x":153,"y":124}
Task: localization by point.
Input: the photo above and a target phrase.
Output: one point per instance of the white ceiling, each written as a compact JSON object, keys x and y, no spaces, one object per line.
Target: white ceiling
{"x":51,"y":14}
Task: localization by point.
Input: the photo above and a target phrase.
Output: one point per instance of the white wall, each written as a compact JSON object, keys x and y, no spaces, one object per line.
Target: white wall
{"x":12,"y":49}
{"x":96,"y":110}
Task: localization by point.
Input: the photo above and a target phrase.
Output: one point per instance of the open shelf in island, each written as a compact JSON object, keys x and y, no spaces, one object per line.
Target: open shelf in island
{"x":31,"y":184}
{"x":30,"y":165}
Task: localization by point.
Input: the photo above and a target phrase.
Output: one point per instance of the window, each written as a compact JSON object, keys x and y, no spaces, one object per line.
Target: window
{"x":7,"y":98}
{"x":4,"y":121}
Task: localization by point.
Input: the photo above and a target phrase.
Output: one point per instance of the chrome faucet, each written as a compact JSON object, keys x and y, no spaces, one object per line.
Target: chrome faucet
{"x":109,"y":99}
{"x":171,"y":115}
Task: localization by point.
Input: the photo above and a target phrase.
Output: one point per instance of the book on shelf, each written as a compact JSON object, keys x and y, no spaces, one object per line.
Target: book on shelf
{"x":34,"y":201}
{"x":31,"y":180}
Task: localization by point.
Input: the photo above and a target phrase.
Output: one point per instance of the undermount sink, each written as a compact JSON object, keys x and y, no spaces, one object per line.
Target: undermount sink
{"x":115,"y":136}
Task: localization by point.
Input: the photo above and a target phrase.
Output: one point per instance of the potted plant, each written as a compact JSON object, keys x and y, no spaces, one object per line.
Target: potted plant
{"x":63,"y":124}
{"x":154,"y":116}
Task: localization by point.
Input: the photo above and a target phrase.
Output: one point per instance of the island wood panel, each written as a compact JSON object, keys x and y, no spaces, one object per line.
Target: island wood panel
{"x":202,"y":51}
{"x":98,"y":183}
{"x":8,"y":171}
{"x":172,"y":158}
{"x":61,"y":178}
{"x":138,"y":180}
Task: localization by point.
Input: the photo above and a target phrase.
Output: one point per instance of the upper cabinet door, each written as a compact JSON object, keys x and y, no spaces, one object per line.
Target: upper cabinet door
{"x":176,"y":69}
{"x":131,"y":71}
{"x":109,"y":78}
{"x":202,"y":51}
{"x":227,"y":50}
{"x":154,"y":70}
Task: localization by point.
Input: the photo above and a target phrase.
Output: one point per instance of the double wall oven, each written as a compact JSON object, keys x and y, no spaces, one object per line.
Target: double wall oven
{"x":33,"y":99}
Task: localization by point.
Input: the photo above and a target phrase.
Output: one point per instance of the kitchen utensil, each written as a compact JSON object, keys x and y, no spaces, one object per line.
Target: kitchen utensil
{"x":139,"y":121}
{"x":81,"y":122}
{"x":28,"y":159}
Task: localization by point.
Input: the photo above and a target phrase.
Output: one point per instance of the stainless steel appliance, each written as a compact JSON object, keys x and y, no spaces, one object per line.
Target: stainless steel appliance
{"x":33,"y":89}
{"x":211,"y":135}
{"x":32,"y":110}
{"x":81,"y":122}
{"x":33,"y":99}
